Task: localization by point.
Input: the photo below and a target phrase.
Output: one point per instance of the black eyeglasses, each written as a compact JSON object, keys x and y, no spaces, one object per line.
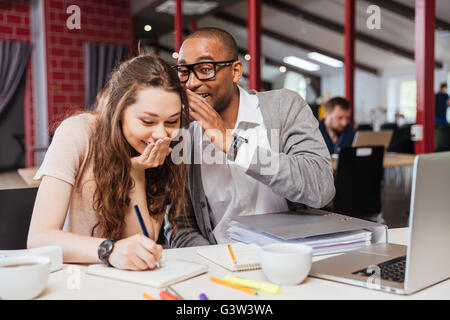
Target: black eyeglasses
{"x":202,"y":70}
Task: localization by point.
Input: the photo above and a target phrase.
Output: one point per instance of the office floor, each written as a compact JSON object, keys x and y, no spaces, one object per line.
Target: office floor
{"x":396,"y":195}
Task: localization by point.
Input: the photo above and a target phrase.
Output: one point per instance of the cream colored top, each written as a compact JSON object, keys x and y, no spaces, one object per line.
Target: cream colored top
{"x":65,"y":160}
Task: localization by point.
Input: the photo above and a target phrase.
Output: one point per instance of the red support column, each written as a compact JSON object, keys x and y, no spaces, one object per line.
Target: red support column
{"x":193,"y":25}
{"x":254,"y":43}
{"x":349,"y":58}
{"x":424,"y":58}
{"x":178,"y":25}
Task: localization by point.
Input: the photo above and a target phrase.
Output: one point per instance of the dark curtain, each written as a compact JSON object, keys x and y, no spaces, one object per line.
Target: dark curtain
{"x":99,"y":61}
{"x":13,"y":64}
{"x":12,"y":130}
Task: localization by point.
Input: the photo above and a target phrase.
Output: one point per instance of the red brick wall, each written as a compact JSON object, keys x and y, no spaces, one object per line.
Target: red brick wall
{"x":102,"y":21}
{"x":15,"y":20}
{"x":15,"y":26}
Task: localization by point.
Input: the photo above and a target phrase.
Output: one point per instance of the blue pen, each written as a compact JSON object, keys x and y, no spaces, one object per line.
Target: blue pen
{"x":141,"y":222}
{"x":203,"y":296}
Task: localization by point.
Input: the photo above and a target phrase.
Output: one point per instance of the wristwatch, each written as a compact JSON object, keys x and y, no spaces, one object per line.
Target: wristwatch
{"x":105,"y":249}
{"x":237,"y":142}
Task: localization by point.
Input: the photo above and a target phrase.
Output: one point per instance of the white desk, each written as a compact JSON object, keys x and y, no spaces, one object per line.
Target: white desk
{"x":92,"y":287}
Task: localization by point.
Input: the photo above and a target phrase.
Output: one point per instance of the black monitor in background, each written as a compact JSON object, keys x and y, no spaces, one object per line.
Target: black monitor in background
{"x":16,"y":208}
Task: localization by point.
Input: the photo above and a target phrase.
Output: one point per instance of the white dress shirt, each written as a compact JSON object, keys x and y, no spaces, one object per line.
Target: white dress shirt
{"x":230,"y":192}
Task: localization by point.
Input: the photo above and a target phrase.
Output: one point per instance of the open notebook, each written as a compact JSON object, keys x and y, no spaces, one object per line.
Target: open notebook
{"x":170,"y":272}
{"x":247,"y":256}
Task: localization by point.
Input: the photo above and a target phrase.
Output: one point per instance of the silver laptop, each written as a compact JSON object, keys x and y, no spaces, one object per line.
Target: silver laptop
{"x":372,"y":138}
{"x":426,"y":259}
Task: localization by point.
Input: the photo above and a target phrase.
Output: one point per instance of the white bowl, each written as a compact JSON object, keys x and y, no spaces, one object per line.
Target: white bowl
{"x":23,"y":277}
{"x":286,"y":263}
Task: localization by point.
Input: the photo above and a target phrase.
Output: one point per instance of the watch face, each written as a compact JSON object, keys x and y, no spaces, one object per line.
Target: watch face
{"x":102,"y":251}
{"x":105,"y":248}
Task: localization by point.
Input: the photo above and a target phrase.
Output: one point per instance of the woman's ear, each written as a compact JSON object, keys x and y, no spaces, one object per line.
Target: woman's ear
{"x":237,"y":68}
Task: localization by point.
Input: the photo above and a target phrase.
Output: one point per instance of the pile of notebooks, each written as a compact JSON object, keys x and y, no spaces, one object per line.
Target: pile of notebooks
{"x":325,"y":232}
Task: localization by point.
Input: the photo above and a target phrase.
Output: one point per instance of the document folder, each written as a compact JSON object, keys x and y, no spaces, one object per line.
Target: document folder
{"x":288,"y":226}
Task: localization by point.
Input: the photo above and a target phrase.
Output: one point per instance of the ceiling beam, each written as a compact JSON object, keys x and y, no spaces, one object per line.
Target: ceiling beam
{"x":290,"y":41}
{"x":407,"y":12}
{"x":270,"y":61}
{"x":277,"y":63}
{"x":339,"y":28}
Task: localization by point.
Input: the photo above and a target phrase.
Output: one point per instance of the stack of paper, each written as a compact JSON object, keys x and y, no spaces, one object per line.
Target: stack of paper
{"x":322,"y":244}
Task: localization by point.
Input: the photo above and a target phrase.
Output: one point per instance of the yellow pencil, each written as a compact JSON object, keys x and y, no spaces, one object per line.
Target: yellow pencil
{"x":232,"y":255}
{"x":148,"y":297}
{"x":234,"y":286}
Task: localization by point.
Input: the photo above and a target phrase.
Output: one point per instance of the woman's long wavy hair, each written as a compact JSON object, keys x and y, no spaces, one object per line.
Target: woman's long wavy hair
{"x":111,"y":153}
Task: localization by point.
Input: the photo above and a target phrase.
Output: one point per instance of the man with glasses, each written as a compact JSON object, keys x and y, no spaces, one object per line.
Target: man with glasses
{"x":249,"y":131}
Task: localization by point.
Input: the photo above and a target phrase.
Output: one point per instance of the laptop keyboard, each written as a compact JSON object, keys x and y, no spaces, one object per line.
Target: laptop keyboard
{"x":391,"y":270}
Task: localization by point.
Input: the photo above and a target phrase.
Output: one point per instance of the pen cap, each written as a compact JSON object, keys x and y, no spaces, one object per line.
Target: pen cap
{"x":165,"y":295}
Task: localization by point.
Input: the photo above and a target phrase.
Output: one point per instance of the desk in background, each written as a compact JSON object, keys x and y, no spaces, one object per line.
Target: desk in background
{"x":27,"y":175}
{"x":390,"y":160}
{"x":62,"y":286}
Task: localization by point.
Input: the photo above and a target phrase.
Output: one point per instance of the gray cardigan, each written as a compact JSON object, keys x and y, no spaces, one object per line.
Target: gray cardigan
{"x":304,"y":175}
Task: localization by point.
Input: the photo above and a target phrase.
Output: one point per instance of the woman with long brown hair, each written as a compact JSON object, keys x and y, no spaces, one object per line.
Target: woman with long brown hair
{"x":101,"y":164}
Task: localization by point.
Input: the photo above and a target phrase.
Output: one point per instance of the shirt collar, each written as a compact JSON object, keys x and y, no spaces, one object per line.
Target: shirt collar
{"x":248,"y":108}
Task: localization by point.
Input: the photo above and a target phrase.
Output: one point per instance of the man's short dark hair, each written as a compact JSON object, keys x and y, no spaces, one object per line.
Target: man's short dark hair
{"x":443,"y":85}
{"x":337,"y":101}
{"x":221,"y":35}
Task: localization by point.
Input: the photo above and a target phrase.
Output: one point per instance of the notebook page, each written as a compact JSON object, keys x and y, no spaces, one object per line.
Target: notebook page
{"x":247,"y":256}
{"x":170,"y":272}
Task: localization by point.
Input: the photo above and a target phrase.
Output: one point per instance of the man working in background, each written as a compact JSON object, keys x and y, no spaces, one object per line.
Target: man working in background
{"x":227,"y":117}
{"x":441,"y":105}
{"x":335,"y":127}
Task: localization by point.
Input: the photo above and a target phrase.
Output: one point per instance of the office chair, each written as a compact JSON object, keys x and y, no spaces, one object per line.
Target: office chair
{"x":388,"y":126}
{"x":441,"y":138}
{"x":358,"y":182}
{"x":15,"y":215}
{"x":401,"y":140}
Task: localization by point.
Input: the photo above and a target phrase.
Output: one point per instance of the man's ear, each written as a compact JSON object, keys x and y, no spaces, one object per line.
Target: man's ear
{"x":237,"y":69}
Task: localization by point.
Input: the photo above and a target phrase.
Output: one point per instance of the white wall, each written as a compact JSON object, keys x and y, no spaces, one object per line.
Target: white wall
{"x":367,"y":92}
{"x":377,"y":91}
{"x":391,"y":79}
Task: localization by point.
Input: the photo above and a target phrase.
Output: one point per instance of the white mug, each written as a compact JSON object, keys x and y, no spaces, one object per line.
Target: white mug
{"x":23,"y":277}
{"x":286,"y":263}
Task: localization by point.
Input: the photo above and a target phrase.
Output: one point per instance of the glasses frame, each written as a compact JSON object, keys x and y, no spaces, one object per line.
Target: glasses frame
{"x":190,"y":68}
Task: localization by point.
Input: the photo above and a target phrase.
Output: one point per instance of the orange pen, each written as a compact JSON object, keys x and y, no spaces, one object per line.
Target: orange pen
{"x":234,"y":286}
{"x":165,"y":295}
{"x":232,"y":254}
{"x":148,"y":297}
